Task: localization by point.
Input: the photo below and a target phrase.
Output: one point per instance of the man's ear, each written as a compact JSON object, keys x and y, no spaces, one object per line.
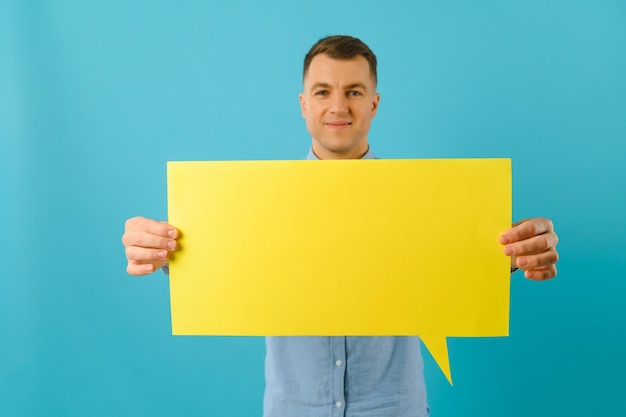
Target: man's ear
{"x":303,"y":105}
{"x":375,"y":104}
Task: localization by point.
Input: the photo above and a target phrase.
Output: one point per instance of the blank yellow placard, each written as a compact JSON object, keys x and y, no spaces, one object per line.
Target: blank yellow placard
{"x":349,"y":247}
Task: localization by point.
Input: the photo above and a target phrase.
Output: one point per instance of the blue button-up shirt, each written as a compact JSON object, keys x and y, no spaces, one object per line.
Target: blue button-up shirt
{"x":344,"y":376}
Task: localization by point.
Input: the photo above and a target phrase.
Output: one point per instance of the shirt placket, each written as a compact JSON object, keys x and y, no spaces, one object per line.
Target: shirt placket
{"x":338,"y":372}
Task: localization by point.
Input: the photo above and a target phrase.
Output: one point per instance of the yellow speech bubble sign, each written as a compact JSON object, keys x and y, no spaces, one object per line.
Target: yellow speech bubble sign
{"x":349,"y":247}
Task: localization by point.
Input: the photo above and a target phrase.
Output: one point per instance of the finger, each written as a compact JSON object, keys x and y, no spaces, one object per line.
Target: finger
{"x":154,"y":227}
{"x":540,"y":260}
{"x":533,"y":245}
{"x":526,"y":229}
{"x":541,"y":274}
{"x":140,"y":254}
{"x":148,"y":240}
{"x":139,"y":269}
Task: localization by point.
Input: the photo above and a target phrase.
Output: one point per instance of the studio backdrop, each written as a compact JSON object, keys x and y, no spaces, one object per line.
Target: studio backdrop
{"x":96,"y":97}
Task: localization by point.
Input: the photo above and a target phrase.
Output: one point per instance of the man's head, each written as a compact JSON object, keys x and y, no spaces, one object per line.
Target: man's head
{"x":339,"y":98}
{"x":341,"y":47}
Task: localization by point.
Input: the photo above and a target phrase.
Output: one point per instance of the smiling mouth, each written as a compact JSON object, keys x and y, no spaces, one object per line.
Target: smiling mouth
{"x":338,"y":125}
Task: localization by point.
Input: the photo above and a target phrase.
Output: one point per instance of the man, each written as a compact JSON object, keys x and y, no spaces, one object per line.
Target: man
{"x":344,"y":376}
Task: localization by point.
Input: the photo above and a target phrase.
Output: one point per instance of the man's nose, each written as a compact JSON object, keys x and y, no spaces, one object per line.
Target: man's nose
{"x":339,"y":104}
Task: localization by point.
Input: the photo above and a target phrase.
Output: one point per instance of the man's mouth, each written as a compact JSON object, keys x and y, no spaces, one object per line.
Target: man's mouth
{"x":338,"y":125}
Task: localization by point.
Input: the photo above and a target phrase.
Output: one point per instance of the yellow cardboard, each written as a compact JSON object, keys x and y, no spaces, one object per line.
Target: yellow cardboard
{"x":347,"y":247}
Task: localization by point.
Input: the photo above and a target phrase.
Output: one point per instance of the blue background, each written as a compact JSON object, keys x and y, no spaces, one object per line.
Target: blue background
{"x":95,"y":97}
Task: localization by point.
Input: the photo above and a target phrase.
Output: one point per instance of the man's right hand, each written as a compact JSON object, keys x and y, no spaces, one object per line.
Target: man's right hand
{"x":148,"y":244}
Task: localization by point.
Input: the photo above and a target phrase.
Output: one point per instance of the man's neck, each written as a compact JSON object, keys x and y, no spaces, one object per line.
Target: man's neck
{"x":367,"y":155}
{"x":351,"y":154}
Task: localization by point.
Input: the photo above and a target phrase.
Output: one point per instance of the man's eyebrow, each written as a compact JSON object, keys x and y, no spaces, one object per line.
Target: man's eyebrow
{"x":356,"y":85}
{"x":319,"y":85}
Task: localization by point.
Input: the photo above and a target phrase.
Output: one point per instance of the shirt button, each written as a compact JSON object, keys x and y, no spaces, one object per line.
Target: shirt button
{"x":338,"y":404}
{"x":338,"y":363}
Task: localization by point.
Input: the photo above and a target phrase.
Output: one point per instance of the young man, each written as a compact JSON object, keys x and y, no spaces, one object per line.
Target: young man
{"x":344,"y":376}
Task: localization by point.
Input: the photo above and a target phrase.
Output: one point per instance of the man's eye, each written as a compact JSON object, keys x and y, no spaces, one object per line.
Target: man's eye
{"x":353,"y":93}
{"x":321,"y":93}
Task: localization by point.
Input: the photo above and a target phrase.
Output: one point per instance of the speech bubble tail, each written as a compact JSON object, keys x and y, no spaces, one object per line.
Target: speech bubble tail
{"x":438,"y":348}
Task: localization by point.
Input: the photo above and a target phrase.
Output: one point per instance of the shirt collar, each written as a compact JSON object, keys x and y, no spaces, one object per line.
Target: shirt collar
{"x":368,"y":155}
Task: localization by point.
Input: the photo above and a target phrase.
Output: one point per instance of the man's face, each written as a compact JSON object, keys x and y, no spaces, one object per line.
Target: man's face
{"x":339,"y":102}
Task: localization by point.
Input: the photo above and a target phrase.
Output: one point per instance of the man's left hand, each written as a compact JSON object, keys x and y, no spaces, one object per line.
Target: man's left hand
{"x":531,"y":244}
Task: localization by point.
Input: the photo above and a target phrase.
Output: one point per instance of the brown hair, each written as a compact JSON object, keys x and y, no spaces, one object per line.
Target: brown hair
{"x":341,"y":47}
